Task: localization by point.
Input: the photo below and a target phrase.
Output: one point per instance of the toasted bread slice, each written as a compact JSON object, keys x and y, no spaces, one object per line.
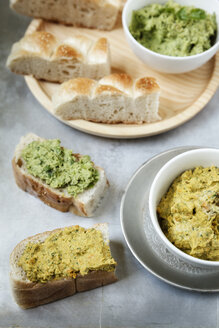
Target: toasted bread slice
{"x":29,"y":294}
{"x":84,"y":204}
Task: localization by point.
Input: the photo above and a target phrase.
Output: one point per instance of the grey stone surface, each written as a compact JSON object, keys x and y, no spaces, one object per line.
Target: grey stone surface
{"x":138,"y":299}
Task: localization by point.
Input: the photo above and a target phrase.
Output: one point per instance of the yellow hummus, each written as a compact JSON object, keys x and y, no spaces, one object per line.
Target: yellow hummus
{"x":66,"y":253}
{"x":189,"y":213}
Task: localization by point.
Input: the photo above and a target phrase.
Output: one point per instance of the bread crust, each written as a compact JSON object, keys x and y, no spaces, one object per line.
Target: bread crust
{"x":28,"y":294}
{"x":146,"y":85}
{"x":37,"y":189}
{"x":53,"y":197}
{"x":39,"y":294}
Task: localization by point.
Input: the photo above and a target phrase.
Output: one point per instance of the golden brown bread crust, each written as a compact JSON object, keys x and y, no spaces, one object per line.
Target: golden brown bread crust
{"x":37,"y":189}
{"x":100,"y":46}
{"x":122,"y":79}
{"x":121,"y":83}
{"x":147,"y":85}
{"x":107,"y":88}
{"x":81,"y":85}
{"x":65,"y":50}
{"x":44,"y":40}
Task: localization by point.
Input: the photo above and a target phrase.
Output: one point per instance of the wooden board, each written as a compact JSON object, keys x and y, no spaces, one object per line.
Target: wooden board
{"x":182,"y":95}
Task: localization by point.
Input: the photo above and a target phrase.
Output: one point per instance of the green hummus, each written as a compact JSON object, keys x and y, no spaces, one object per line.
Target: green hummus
{"x":189,"y":213}
{"x":66,"y":253}
{"x":58,"y":167}
{"x":174,"y":30}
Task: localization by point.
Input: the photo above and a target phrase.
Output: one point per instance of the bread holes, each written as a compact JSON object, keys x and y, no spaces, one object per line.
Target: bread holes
{"x":65,"y":72}
{"x":89,"y":9}
{"x":19,"y":162}
{"x":85,"y":10}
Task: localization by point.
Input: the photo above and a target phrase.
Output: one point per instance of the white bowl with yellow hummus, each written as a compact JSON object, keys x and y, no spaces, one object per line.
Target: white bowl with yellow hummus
{"x":172,"y":42}
{"x":184,"y":206}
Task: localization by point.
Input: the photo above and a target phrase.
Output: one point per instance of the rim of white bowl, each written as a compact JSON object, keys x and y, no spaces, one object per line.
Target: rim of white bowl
{"x":125,"y":26}
{"x":154,"y":219}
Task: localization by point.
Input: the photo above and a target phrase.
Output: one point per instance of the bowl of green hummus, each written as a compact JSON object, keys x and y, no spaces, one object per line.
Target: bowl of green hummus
{"x":172,"y":36}
{"x":184,"y":206}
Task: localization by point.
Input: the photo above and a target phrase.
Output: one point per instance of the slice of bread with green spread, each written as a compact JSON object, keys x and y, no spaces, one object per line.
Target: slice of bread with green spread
{"x":83,"y":202}
{"x":55,"y":264}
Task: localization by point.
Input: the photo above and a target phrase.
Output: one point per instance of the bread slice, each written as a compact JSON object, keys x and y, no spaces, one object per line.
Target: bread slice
{"x":114,"y":99}
{"x":45,"y":57}
{"x":100,"y":14}
{"x":29,"y":294}
{"x":83,"y":205}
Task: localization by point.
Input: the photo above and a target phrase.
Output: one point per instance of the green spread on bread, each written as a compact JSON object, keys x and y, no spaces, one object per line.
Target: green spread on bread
{"x":174,"y":30}
{"x":66,"y":253}
{"x":189,"y":213}
{"x":58,"y":167}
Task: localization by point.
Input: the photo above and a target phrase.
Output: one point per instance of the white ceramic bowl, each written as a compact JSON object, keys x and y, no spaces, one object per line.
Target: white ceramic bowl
{"x":200,"y":157}
{"x":169,"y":64}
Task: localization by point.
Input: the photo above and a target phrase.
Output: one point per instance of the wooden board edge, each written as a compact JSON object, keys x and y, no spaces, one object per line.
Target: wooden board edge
{"x":126,"y":131}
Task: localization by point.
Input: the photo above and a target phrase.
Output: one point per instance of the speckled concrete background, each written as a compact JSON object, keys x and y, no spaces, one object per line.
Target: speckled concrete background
{"x":138,"y":299}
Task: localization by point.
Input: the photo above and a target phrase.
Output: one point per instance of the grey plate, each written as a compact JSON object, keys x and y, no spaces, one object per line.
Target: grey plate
{"x":144,"y":242}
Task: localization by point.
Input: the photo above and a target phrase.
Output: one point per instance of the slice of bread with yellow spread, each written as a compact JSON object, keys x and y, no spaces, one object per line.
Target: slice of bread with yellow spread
{"x":55,"y":264}
{"x":61,"y":179}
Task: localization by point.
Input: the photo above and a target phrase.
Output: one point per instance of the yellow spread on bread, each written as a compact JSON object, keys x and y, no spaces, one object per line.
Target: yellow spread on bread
{"x":66,"y":253}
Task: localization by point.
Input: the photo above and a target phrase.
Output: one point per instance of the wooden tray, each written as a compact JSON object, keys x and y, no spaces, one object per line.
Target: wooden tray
{"x":182,"y":95}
